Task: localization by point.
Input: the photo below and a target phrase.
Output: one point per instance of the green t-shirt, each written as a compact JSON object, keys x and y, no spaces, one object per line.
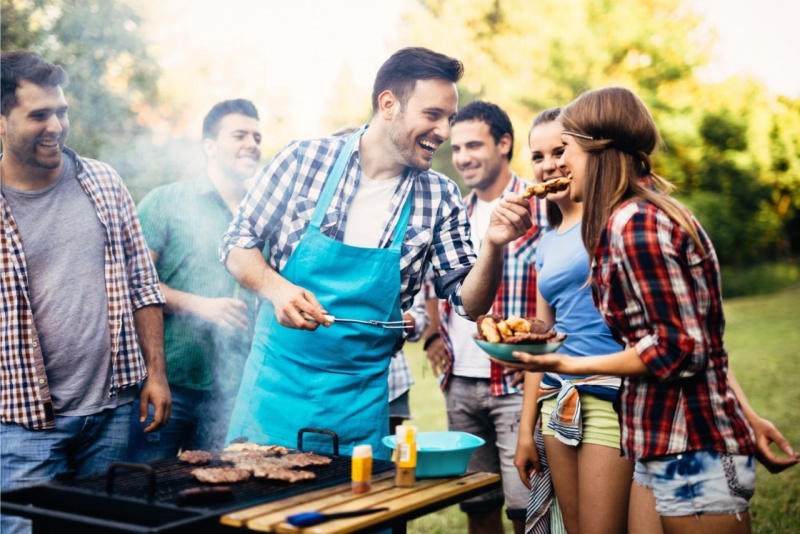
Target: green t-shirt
{"x":183,"y":223}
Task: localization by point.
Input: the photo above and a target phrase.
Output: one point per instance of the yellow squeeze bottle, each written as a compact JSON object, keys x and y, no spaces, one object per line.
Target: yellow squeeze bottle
{"x":362,"y":468}
{"x":406,"y":440}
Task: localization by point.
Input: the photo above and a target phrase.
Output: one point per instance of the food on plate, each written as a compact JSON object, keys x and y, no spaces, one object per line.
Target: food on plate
{"x":488,"y":329}
{"x":515,"y":330}
{"x":195,"y":457}
{"x":518,"y":325}
{"x":543,"y":189}
{"x":266,"y":449}
{"x":504,"y":329}
{"x":305,"y":459}
{"x":220,"y":475}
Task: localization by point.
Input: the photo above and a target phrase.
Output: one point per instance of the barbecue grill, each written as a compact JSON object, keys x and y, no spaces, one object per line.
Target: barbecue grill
{"x":144,"y":498}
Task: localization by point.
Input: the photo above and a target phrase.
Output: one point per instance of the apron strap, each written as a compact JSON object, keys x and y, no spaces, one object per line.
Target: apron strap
{"x":402,"y":222}
{"x":333,"y":178}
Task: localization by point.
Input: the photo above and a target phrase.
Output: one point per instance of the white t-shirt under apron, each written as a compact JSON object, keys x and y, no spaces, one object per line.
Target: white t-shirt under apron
{"x":368,"y":210}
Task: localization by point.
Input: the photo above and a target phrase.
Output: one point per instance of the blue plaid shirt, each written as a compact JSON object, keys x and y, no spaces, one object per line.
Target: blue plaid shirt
{"x":400,"y":378}
{"x":278,"y":209}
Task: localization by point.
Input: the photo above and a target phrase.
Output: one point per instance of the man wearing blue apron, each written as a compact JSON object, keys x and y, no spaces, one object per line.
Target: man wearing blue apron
{"x":352,"y":224}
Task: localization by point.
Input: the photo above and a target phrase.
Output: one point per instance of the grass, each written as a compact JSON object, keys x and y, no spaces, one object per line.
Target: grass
{"x":759,"y":279}
{"x":763,"y":339}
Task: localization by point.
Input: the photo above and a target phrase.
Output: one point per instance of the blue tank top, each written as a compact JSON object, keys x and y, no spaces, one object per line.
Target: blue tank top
{"x":563,"y":270}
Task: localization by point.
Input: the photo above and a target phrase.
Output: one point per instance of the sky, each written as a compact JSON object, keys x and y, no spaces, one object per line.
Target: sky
{"x":269,"y":51}
{"x":758,"y":37}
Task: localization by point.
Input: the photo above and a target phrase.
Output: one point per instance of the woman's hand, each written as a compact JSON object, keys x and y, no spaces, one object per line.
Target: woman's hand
{"x":526,"y":459}
{"x":535,"y":363}
{"x":766,"y":434}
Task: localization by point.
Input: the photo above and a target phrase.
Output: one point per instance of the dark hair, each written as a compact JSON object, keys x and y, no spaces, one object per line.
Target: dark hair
{"x":491,"y":114}
{"x":554,"y":215}
{"x":19,"y":65}
{"x":401,"y":71}
{"x":221,"y":110}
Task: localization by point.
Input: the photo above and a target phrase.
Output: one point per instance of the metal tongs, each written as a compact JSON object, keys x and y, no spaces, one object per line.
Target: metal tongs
{"x":371,"y":322}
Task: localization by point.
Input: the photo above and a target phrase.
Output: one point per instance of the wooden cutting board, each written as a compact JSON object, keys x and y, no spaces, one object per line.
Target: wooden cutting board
{"x":403,"y":504}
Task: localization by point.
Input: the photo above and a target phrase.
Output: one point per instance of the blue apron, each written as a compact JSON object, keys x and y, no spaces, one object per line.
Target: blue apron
{"x":334,"y":378}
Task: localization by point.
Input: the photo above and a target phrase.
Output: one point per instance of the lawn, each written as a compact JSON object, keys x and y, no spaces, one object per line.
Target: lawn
{"x":763,"y":339}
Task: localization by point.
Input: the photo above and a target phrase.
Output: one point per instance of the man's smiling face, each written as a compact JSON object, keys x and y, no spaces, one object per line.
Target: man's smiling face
{"x":423,"y":123}
{"x":35,"y":130}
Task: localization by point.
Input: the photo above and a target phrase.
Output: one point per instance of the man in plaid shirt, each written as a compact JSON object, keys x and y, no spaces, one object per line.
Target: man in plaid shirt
{"x":352,"y":224}
{"x":480,"y":398}
{"x":80,"y":295}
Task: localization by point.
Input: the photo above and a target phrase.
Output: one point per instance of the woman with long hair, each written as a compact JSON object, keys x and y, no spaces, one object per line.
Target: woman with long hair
{"x":590,"y":478}
{"x":655,"y":280}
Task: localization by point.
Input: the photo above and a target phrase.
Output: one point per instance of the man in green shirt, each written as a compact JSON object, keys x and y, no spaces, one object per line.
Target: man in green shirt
{"x":208,"y":318}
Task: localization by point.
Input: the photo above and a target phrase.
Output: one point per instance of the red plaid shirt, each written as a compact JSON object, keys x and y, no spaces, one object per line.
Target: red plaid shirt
{"x":131,"y":283}
{"x":517,"y":292}
{"x":660,"y":294}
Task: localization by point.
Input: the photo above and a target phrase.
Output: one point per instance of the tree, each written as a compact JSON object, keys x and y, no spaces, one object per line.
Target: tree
{"x":99,"y":44}
{"x":528,"y":56}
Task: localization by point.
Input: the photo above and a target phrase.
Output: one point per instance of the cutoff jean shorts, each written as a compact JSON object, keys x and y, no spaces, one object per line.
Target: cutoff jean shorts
{"x":698,"y":482}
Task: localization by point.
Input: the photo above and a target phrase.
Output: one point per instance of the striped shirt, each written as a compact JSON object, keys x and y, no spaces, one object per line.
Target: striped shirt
{"x":279,"y":206}
{"x":517,"y":292}
{"x":131,"y":283}
{"x":662,"y":295}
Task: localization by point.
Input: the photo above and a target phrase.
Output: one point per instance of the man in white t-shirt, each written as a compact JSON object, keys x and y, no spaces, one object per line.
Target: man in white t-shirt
{"x":480,"y":399}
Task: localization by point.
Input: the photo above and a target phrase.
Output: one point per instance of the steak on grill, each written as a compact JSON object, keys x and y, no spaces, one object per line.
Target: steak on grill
{"x":220,"y":475}
{"x":266,"y":449}
{"x":195,"y":457}
{"x":305,"y":459}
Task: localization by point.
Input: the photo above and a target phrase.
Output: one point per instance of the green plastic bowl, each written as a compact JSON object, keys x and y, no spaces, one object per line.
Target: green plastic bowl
{"x":503,"y":351}
{"x":442,"y":454}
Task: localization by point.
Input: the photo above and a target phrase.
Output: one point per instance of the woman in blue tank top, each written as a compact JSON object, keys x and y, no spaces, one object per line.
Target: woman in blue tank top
{"x":580,"y":428}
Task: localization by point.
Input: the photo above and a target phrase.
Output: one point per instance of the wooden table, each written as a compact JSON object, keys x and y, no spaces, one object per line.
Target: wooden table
{"x":404,"y":504}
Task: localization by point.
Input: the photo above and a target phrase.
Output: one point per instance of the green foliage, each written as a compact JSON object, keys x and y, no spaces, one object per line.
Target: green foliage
{"x":733,"y":149}
{"x":111,"y":74}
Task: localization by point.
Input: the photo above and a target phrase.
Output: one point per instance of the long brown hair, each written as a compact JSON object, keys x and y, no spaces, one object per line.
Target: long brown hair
{"x":623,"y":136}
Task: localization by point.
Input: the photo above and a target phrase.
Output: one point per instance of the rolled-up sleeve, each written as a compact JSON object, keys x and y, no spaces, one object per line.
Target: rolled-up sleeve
{"x":259,"y":215}
{"x":659,"y":302}
{"x":143,"y":286}
{"x":453,"y":255}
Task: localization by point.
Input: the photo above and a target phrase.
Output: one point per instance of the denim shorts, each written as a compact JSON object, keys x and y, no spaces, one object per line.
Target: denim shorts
{"x":400,"y":407}
{"x":698,"y":482}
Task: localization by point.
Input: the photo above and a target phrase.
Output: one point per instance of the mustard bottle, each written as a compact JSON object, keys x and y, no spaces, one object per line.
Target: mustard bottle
{"x":406,"y":442}
{"x":362,"y":468}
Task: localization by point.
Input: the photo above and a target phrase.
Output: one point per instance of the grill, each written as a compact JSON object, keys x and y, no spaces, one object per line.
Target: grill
{"x":143,"y":497}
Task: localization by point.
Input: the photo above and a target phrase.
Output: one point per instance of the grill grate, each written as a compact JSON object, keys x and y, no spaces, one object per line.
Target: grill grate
{"x":173,"y":476}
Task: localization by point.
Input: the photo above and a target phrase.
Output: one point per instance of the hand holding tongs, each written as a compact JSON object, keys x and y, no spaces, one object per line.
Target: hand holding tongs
{"x":371,"y":322}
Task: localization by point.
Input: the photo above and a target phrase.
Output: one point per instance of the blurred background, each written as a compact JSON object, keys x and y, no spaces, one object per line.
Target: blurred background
{"x":720,"y":77}
{"x":717,"y":74}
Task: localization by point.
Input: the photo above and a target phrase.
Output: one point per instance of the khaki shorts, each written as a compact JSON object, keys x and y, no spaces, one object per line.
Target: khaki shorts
{"x":600,"y":421}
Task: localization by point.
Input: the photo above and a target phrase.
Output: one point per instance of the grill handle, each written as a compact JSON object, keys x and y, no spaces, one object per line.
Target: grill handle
{"x":330,"y":433}
{"x":151,"y":477}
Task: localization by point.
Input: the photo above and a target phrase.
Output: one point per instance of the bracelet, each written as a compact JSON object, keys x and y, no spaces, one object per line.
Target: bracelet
{"x":430,"y":340}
